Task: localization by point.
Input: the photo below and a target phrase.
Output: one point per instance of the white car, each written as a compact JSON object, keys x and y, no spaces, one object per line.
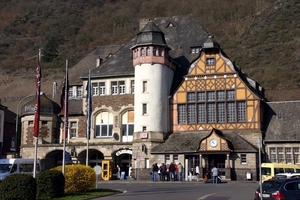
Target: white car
{"x":287,"y":175}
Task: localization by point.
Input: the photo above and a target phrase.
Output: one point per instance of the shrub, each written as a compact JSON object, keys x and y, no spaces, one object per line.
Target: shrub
{"x":50,"y":184}
{"x":78,"y":178}
{"x":18,"y":187}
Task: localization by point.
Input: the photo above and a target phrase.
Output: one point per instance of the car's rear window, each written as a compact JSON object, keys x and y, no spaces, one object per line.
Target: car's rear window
{"x":271,"y":184}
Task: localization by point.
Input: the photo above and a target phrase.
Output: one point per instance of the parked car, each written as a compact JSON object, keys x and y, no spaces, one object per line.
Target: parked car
{"x":286,"y":175}
{"x":279,"y":189}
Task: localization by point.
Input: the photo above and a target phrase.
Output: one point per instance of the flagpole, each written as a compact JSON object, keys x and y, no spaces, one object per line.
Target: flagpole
{"x":65,"y":117}
{"x":88,"y":124}
{"x":37,"y":110}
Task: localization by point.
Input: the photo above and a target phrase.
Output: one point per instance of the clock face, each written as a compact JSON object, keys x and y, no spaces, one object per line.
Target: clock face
{"x":213,"y":142}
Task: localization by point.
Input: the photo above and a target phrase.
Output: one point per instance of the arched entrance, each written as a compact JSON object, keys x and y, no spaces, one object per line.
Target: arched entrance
{"x":95,"y":157}
{"x":123,"y":158}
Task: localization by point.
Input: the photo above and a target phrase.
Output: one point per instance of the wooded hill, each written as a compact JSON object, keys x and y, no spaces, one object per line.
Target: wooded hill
{"x":262,"y":37}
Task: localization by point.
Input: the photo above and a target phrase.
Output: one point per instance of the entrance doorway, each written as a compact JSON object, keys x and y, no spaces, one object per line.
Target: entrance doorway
{"x":215,"y":160}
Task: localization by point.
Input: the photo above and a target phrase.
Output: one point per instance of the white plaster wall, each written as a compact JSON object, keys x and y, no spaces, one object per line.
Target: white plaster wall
{"x":159,"y":79}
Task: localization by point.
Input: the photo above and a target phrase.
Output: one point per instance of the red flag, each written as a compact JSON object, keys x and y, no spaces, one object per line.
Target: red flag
{"x":64,"y":102}
{"x":37,"y":97}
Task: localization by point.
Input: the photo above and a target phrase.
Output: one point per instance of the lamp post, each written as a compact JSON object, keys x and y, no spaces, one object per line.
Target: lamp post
{"x":17,"y":123}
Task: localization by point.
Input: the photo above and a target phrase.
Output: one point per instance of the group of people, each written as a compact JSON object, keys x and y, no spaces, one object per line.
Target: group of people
{"x":167,"y":172}
{"x":174,"y":172}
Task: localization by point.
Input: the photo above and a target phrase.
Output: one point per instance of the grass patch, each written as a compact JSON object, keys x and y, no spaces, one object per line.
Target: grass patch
{"x":88,"y":195}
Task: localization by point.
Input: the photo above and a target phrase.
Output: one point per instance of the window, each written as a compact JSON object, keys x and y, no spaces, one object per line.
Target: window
{"x":144,"y":128}
{"x":191,"y":113}
{"x":148,"y":51}
{"x":288,"y":155}
{"x":144,"y":109}
{"x":191,"y":97}
{"x":220,"y":95}
{"x":231,"y":112}
{"x":122,"y":87}
{"x":211,"y":107}
{"x":79,"y":91}
{"x":210,"y":112}
{"x":296,"y":155}
{"x":73,"y":129}
{"x":127,"y":125}
{"x":144,"y":86}
{"x":175,"y":159}
{"x":160,"y":51}
{"x":201,"y":113}
{"x":132,"y":86}
{"x":243,"y":159}
{"x":155,"y":51}
{"x":167,"y":159}
{"x":181,"y":114}
{"x":231,"y":95}
{"x":280,"y":154}
{"x":210,"y":61}
{"x":143,"y":52}
{"x":71,"y":93}
{"x":221,"y":112}
{"x":273,"y":155}
{"x":104,"y":124}
{"x":95,"y":89}
{"x":102,"y":88}
{"x":241,"y":111}
{"x":114,"y":87}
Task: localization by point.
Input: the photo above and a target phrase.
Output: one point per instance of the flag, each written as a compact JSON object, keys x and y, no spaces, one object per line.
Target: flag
{"x":89,"y":107}
{"x":64,"y":101}
{"x":37,"y":97}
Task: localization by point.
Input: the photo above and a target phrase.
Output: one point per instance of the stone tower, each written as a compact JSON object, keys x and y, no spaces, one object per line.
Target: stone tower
{"x":153,"y":77}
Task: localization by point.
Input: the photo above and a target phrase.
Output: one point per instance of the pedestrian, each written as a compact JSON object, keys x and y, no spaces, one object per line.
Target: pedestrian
{"x":118,"y":172}
{"x":172,"y":171}
{"x":180,"y":170}
{"x":197,"y":172}
{"x":215,"y":173}
{"x":162,"y":170}
{"x":168,"y":172}
{"x":155,"y":172}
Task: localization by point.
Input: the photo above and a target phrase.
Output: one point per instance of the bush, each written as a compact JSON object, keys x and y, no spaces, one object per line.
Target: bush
{"x":78,"y":178}
{"x":50,"y":184}
{"x":18,"y":187}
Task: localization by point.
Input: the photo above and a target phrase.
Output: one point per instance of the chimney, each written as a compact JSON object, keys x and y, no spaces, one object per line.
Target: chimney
{"x":143,"y":23}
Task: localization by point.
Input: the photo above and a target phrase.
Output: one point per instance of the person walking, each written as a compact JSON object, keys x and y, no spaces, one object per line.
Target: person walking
{"x":215,"y":173}
{"x":197,"y":172}
{"x":162,"y":170}
{"x":172,"y":171}
{"x":180,"y":170}
{"x":155,"y":172}
{"x":118,"y":172}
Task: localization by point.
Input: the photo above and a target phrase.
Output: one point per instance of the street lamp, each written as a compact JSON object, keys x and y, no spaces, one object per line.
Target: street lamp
{"x":17,"y":121}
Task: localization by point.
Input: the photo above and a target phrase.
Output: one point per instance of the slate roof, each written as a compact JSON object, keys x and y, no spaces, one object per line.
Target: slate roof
{"x":89,"y":62}
{"x":282,"y":121}
{"x":184,"y":33}
{"x":47,"y":106}
{"x":188,"y":142}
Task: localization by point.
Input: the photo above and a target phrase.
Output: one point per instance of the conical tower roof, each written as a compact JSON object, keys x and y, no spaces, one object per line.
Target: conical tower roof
{"x":47,"y":106}
{"x":150,"y":35}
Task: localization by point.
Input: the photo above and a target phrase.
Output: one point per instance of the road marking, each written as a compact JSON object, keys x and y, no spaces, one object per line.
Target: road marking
{"x":205,"y":196}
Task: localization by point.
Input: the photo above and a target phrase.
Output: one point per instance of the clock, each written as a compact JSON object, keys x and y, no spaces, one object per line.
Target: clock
{"x":213,"y":142}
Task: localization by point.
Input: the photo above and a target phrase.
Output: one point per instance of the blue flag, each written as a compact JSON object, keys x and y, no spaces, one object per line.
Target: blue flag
{"x":89,"y":107}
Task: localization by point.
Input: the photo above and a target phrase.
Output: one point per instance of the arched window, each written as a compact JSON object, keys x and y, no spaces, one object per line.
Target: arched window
{"x":160,"y":52}
{"x":143,"y":52}
{"x":148,"y":51}
{"x":154,"y":51}
{"x":127,"y":126}
{"x":104,"y":124}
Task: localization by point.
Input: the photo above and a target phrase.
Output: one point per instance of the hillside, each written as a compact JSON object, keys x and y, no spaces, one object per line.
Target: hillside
{"x":262,"y":37}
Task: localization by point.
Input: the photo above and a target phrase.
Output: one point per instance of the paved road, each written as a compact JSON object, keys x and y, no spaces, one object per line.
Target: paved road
{"x":133,"y":190}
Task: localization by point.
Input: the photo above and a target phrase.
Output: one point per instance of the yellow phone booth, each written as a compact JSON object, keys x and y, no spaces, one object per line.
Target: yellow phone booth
{"x":106,"y":170}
